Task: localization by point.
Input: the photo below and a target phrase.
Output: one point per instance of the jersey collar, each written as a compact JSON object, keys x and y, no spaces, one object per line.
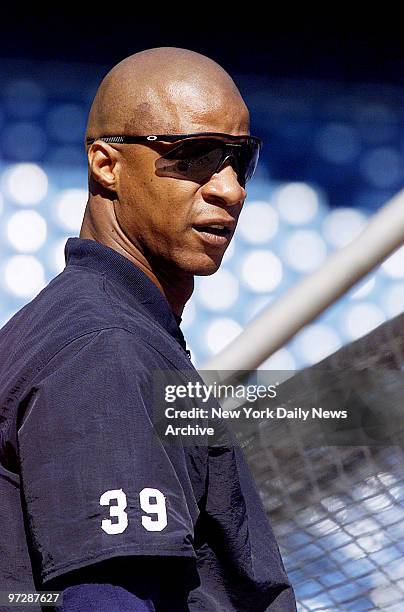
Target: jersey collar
{"x":101,"y":258}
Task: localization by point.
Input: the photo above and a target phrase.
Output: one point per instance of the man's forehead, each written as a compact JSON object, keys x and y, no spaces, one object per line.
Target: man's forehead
{"x":186,"y":108}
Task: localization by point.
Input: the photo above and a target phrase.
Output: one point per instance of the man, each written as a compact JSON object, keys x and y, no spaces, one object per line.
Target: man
{"x":110,"y":514}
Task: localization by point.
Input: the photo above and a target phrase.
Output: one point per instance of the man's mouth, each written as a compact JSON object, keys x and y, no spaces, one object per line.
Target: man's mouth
{"x":216,"y":235}
{"x":216,"y":229}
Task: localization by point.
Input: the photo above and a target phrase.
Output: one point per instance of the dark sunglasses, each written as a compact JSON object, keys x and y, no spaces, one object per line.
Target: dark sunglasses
{"x":200,"y":155}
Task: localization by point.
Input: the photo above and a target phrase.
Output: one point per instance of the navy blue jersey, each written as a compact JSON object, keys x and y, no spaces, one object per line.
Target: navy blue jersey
{"x":83,"y":476}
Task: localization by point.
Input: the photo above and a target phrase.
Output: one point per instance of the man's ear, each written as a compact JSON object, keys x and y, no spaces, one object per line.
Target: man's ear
{"x":103,"y":162}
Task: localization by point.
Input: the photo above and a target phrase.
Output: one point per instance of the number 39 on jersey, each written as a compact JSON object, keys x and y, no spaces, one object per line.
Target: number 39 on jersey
{"x":152,"y":502}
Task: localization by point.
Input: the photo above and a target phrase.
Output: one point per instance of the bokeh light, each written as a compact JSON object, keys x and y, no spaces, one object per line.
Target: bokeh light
{"x":258,"y":222}
{"x":220,"y":332}
{"x":261,"y":271}
{"x":383,"y":167}
{"x":24,"y":275}
{"x":26,"y":184}
{"x":393,"y":300}
{"x":26,"y":231}
{"x":69,"y":208}
{"x":338,"y":143}
{"x":305,"y":250}
{"x":343,"y":225}
{"x":297,"y":203}
{"x":219,"y":291}
{"x":362,"y":318}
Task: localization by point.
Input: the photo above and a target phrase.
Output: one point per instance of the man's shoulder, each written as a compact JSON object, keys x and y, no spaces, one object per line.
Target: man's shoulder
{"x":76,"y":314}
{"x":67,"y":315}
{"x":72,"y":304}
{"x":64,"y":297}
{"x":99,"y":353}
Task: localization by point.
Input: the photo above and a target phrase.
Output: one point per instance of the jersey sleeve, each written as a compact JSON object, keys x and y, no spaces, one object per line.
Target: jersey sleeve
{"x":96,"y":480}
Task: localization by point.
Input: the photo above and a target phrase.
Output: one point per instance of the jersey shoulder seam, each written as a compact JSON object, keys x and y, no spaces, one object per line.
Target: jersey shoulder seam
{"x":96,"y":332}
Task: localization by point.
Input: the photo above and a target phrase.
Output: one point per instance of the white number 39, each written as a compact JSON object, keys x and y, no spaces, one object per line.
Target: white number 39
{"x":152,"y":501}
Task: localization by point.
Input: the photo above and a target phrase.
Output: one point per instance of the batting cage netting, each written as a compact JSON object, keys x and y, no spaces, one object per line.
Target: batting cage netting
{"x":336,"y":503}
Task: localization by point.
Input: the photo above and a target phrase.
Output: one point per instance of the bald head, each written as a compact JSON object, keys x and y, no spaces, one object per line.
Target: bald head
{"x":164,"y":90}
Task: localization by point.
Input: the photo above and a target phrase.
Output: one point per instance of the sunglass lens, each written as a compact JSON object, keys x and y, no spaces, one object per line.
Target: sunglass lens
{"x":194,"y":160}
{"x":250,"y":160}
{"x":245,"y":160}
{"x":197,"y":159}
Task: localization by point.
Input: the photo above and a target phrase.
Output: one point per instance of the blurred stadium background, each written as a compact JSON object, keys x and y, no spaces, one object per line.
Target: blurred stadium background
{"x":333,"y":154}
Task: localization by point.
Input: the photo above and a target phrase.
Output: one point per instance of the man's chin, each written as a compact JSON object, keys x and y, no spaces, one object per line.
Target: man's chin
{"x":206,"y":265}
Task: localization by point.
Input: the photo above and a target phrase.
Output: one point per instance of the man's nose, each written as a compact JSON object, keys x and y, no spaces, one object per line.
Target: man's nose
{"x":224,"y":185}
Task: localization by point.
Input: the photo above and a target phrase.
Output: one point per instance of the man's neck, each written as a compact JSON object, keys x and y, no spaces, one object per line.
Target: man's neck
{"x":176,"y":286}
